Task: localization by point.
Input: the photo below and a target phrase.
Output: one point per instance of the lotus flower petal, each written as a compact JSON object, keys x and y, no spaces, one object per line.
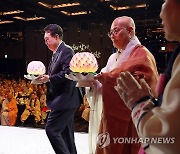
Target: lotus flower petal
{"x":36,"y":68}
{"x":83,"y":62}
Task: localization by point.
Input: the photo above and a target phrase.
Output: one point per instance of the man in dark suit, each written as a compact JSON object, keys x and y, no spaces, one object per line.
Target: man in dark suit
{"x":63,"y":98}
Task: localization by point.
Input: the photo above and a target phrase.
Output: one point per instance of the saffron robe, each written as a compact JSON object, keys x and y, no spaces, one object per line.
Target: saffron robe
{"x":13,"y":110}
{"x":116,"y":117}
{"x":9,"y":112}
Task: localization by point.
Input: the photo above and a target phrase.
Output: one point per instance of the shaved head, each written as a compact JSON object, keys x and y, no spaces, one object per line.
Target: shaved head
{"x":126,"y":22}
{"x":121,"y":32}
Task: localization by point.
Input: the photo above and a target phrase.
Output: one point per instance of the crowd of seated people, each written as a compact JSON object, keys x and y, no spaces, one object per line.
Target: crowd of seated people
{"x":19,"y":99}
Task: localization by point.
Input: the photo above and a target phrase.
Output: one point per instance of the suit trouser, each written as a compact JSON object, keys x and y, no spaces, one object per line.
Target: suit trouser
{"x":60,"y":131}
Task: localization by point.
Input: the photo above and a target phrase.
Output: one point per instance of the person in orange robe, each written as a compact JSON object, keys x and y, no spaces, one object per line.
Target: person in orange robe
{"x":9,"y":111}
{"x":13,"y":110}
{"x":116,"y":123}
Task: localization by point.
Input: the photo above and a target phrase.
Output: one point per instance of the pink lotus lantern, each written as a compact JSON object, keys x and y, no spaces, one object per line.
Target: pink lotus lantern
{"x":34,"y":70}
{"x":83,"y":66}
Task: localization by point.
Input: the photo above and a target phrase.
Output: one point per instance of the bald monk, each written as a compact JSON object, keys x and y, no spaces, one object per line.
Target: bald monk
{"x":116,"y":119}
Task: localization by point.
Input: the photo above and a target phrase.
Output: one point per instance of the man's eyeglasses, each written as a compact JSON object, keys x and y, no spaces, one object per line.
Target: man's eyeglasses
{"x":114,"y":31}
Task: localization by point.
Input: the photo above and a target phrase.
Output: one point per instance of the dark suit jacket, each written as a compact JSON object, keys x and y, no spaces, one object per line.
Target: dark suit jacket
{"x":61,"y":92}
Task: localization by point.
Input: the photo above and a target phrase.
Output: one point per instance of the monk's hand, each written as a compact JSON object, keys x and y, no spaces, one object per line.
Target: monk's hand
{"x":130,"y":90}
{"x":98,"y":77}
